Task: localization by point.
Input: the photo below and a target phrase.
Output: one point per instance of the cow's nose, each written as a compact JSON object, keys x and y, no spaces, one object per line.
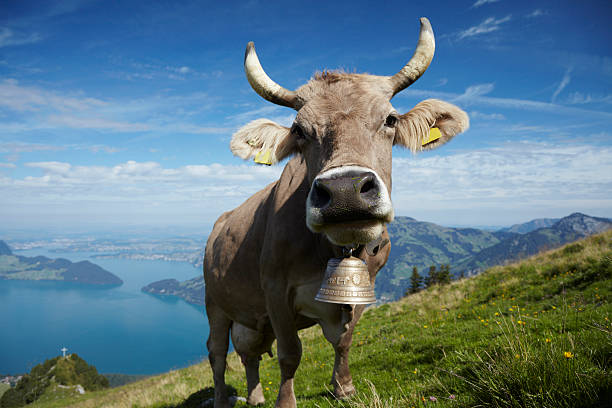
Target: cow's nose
{"x":350,"y":195}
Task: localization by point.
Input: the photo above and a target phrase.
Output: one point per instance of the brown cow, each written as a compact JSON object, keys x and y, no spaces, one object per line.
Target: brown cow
{"x":265,"y":260}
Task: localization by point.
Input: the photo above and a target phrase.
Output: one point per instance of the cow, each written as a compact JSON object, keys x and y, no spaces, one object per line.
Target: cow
{"x":265,"y":260}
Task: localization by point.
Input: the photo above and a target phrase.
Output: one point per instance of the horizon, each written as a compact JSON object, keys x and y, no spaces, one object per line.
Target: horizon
{"x":117,"y":117}
{"x":155,"y":233}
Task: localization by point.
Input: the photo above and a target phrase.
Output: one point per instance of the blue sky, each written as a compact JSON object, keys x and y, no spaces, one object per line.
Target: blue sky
{"x":120,"y":114}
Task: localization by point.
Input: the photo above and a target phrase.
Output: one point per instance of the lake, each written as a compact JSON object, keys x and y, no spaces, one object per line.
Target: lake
{"x":119,"y":330}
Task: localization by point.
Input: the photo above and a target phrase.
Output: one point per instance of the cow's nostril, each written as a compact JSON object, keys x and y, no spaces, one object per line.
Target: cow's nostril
{"x":367,"y":186}
{"x":320,"y":195}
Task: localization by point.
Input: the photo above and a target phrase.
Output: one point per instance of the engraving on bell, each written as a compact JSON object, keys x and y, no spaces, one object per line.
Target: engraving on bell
{"x":346,"y":281}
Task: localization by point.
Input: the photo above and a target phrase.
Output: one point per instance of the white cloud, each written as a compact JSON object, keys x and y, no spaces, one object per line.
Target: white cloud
{"x":475,"y":91}
{"x":536,"y":13}
{"x":151,"y":179}
{"x":8,"y":165}
{"x":483,"y":2}
{"x":31,"y":108}
{"x":486,"y":116}
{"x":102,"y":148}
{"x":8,"y":37}
{"x":26,"y":99}
{"x":95,"y":123}
{"x":500,"y":182}
{"x":487,"y":26}
{"x":578,"y":98}
{"x":20,"y":147}
{"x":564,"y":82}
{"x":52,"y":167}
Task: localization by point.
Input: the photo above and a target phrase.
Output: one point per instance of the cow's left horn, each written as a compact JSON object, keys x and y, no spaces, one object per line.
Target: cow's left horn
{"x":419,"y":62}
{"x":263,"y":85}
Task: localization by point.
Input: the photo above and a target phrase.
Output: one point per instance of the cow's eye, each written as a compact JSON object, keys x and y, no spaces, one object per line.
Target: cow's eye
{"x":299,"y":132}
{"x":391,"y":121}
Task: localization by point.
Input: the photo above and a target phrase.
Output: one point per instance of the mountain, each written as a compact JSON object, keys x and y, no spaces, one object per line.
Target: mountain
{"x":4,"y":249}
{"x":568,"y":229}
{"x":531,"y":334}
{"x":57,"y":377}
{"x":531,"y":225}
{"x":42,"y":268}
{"x":422,"y":244}
{"x":192,"y":291}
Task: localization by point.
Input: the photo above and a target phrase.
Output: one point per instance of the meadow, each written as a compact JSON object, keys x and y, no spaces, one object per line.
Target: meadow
{"x":536,"y":333}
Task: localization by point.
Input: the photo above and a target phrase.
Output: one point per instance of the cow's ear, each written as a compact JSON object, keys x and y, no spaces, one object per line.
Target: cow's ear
{"x":430,"y":124}
{"x":264,"y":141}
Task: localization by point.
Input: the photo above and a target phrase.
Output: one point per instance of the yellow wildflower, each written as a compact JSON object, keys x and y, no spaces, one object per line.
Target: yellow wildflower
{"x":548,"y":340}
{"x":568,"y":354}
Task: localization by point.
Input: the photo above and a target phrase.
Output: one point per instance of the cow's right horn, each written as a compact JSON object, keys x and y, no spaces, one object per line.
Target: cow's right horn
{"x":419,"y":62}
{"x":263,"y":85}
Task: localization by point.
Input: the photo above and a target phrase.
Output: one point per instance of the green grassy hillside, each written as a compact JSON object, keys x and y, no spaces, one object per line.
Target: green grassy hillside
{"x":4,"y":388}
{"x":532,"y":334}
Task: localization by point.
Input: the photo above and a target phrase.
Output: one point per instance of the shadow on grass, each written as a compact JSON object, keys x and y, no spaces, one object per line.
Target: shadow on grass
{"x":199,"y":398}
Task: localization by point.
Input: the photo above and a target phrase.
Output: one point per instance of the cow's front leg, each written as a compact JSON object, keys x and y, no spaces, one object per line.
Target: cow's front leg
{"x":341,"y":377}
{"x":289,"y":349}
{"x":338,"y":330}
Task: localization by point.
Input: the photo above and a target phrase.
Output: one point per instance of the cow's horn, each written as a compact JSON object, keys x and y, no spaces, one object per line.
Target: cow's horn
{"x":263,"y":85}
{"x":419,"y":62}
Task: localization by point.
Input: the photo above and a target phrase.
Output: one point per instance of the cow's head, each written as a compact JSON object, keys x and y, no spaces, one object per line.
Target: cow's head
{"x":345,"y":129}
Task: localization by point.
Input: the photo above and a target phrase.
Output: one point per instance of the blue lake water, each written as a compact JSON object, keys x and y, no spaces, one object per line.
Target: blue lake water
{"x":119,"y":329}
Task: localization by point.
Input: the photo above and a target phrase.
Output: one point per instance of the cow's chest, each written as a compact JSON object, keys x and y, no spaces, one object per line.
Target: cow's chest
{"x":332,"y":318}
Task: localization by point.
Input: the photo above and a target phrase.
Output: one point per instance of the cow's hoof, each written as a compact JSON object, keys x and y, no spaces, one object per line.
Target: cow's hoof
{"x":344,"y":391}
{"x":256,"y":397}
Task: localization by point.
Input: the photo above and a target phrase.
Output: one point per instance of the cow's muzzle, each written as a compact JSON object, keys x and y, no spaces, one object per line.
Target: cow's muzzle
{"x":350,"y":204}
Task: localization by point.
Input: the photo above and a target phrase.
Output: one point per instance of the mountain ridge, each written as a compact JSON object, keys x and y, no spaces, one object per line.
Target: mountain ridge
{"x":529,"y":226}
{"x":567,"y":229}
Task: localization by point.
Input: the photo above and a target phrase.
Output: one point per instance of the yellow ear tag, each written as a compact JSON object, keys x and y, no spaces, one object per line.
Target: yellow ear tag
{"x":264,"y":157}
{"x":434,"y":134}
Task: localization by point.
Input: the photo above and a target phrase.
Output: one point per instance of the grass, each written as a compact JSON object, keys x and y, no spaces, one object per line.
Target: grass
{"x":3,"y":388}
{"x":532,"y":334}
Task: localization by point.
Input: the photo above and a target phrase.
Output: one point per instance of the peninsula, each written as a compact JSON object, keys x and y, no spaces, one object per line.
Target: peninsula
{"x":17,"y":267}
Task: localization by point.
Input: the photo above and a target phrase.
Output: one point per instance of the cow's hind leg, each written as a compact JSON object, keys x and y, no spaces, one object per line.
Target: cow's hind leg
{"x":218,"y":342}
{"x":250,"y":345}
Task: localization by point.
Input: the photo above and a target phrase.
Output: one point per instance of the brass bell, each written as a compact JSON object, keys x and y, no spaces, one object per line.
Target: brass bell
{"x":346,"y":281}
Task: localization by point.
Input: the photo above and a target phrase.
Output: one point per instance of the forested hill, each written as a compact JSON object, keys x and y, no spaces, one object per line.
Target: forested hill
{"x":470,"y":251}
{"x":17,"y":267}
{"x":56,"y":377}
